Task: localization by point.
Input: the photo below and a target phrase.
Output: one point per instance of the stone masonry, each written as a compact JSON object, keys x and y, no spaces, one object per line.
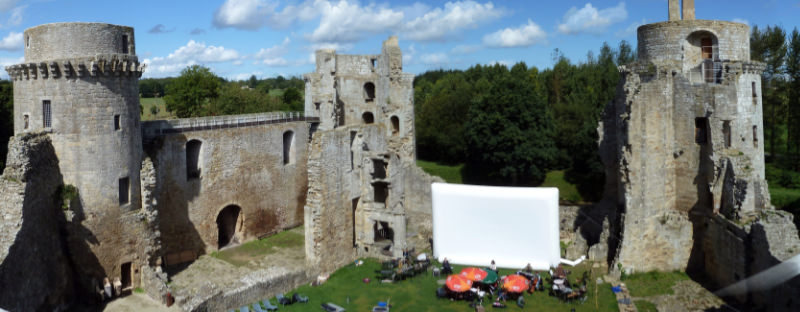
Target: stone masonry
{"x":154,"y":196}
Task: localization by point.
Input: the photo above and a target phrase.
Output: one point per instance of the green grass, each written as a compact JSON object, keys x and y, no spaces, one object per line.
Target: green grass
{"x":138,"y":290}
{"x":645,"y":306}
{"x":567,"y":192}
{"x":784,"y":197}
{"x":653,"y":283}
{"x":147,"y":114}
{"x":346,"y":289}
{"x":451,"y":174}
{"x":242,"y":254}
{"x":276,"y":92}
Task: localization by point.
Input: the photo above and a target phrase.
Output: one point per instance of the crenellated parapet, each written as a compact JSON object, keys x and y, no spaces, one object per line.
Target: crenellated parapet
{"x":98,"y":65}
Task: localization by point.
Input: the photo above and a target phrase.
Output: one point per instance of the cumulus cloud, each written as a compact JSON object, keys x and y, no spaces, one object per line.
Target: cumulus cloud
{"x":591,"y":20}
{"x":273,"y":56}
{"x":346,"y":22}
{"x":523,"y":36}
{"x":8,"y":61}
{"x":434,"y":59}
{"x":159,"y":29}
{"x":12,"y":42}
{"x":190,"y":54}
{"x":242,"y":14}
{"x":438,"y":24}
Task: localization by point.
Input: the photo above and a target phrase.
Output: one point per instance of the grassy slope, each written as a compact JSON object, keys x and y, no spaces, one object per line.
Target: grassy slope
{"x":158,"y":102}
{"x":418,"y":294}
{"x":653,"y":283}
{"x":567,"y":192}
{"x":242,"y":254}
{"x":451,"y":174}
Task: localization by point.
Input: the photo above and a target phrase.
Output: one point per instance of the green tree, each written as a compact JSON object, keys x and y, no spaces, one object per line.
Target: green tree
{"x":769,"y":46}
{"x":508,"y":131}
{"x":6,"y":118}
{"x":292,"y":99}
{"x":193,"y":92}
{"x":793,"y":74}
{"x":441,"y":138}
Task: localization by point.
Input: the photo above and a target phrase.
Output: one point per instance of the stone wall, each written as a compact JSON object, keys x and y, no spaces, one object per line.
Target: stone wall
{"x":242,"y":166}
{"x":35,"y":271}
{"x":67,"y":40}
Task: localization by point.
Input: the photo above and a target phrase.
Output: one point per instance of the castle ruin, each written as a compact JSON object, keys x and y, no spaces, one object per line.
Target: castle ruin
{"x":161,"y":193}
{"x":683,"y":147}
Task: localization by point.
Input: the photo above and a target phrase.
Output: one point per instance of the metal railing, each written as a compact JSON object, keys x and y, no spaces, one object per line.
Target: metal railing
{"x":709,"y":71}
{"x":160,"y":127}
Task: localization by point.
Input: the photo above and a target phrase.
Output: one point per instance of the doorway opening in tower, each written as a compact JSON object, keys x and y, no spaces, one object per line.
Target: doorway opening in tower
{"x":383,"y":237}
{"x":229,"y":224}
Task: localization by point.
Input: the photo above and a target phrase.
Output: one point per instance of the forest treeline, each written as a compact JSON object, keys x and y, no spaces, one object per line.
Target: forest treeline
{"x":511,"y":126}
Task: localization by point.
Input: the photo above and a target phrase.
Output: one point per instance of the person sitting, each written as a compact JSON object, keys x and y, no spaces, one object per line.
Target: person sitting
{"x":528,"y":268}
{"x":493,"y":267}
{"x":446,"y":268}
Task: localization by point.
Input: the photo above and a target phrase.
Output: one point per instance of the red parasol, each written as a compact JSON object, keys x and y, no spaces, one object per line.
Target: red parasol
{"x":515,"y":283}
{"x":473,"y":274}
{"x":458,"y":283}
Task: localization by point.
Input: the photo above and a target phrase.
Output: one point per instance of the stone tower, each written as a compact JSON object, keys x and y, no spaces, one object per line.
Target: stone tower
{"x":683,"y":140}
{"x":364,"y":89}
{"x":79,"y":84}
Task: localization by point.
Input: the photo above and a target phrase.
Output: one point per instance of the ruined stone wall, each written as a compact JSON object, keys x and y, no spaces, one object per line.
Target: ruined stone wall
{"x":35,"y":272}
{"x":242,"y":166}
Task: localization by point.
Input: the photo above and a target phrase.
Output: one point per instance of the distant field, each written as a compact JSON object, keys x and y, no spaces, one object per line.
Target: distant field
{"x":450,"y":174}
{"x":567,"y":192}
{"x":148,"y":103}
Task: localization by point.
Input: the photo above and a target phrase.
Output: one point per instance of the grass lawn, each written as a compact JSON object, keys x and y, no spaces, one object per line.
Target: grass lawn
{"x":567,"y":192}
{"x":451,"y":174}
{"x":346,"y":289}
{"x":645,"y":306}
{"x":148,"y":103}
{"x":242,"y":254}
{"x":653,"y":283}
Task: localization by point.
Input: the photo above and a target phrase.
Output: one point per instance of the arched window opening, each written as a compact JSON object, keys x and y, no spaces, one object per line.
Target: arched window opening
{"x":193,"y":169}
{"x":703,"y":51}
{"x":368,"y":118}
{"x":395,"y":125}
{"x":288,"y":147}
{"x":369,"y":92}
{"x":229,"y":224}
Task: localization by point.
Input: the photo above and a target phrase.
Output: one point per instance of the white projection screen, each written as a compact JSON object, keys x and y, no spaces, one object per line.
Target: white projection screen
{"x":514,"y":226}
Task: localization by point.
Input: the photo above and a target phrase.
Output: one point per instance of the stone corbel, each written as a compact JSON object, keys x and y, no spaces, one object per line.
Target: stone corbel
{"x":33,"y":70}
{"x":43,"y":70}
{"x":66,"y":68}
{"x":93,"y":68}
{"x":80,"y":70}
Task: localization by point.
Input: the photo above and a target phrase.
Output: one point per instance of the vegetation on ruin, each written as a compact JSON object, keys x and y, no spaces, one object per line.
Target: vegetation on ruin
{"x":653,"y":283}
{"x":347,"y":289}
{"x":67,"y":193}
{"x":244,"y":253}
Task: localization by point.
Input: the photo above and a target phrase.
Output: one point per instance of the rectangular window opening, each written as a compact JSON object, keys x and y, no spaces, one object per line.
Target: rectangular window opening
{"x":124,"y":43}
{"x":124,"y":190}
{"x":116,"y":122}
{"x":25,"y":120}
{"x":352,"y":140}
{"x":126,"y":279}
{"x":46,"y":121}
{"x":755,"y":136}
{"x":701,"y":130}
{"x":726,"y":132}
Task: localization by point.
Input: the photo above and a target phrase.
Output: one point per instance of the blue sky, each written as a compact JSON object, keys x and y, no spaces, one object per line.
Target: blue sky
{"x":266,"y":38}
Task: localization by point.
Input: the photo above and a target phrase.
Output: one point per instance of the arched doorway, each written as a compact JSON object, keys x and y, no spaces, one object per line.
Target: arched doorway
{"x":368,"y":118}
{"x":229,"y":224}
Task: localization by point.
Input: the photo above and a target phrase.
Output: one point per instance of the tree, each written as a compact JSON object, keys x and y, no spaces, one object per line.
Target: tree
{"x":6,"y":118}
{"x":191,"y":93}
{"x":793,"y":74}
{"x":769,"y":46}
{"x":292,"y":99}
{"x":508,"y":131}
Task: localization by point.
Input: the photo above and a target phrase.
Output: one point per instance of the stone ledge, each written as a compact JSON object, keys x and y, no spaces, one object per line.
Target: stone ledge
{"x":100,"y":64}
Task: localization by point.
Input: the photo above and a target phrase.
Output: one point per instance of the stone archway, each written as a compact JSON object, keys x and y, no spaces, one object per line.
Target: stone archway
{"x":229,"y":225}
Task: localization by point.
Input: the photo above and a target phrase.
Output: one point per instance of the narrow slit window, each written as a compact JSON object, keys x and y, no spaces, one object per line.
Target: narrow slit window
{"x":700,"y":130}
{"x":726,"y":132}
{"x":25,"y":120}
{"x":395,"y":125}
{"x":124,"y":43}
{"x":193,"y":169}
{"x":755,"y":136}
{"x":352,"y":140}
{"x":46,"y":121}
{"x":755,"y":94}
{"x":124,"y":190}
{"x":116,"y":122}
{"x":288,"y":147}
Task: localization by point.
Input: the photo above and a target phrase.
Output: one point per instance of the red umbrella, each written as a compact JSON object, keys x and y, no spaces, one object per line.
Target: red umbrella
{"x":473,"y":274}
{"x":458,"y":283}
{"x":515,"y":283}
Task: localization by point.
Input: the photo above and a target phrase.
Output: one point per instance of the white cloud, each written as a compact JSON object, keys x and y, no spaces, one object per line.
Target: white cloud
{"x":434,"y":58}
{"x":246,"y":76}
{"x":274,"y":51}
{"x":408,"y":55}
{"x":242,"y":14}
{"x":631,"y":29}
{"x":524,"y":36}
{"x":8,"y":61}
{"x":349,"y":22}
{"x":190,"y":54}
{"x":12,"y":42}
{"x":591,"y":20}
{"x":741,"y":20}
{"x":439,"y":24}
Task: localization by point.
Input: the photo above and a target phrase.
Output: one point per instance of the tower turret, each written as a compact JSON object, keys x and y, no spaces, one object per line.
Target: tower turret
{"x":79,"y":83}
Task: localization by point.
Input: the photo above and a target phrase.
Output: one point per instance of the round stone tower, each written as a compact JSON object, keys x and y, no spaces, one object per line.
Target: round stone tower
{"x":79,"y":83}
